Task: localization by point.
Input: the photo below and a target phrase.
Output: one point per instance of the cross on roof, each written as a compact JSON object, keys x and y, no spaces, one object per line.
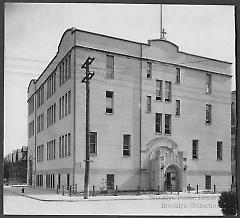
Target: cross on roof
{"x":163,"y":32}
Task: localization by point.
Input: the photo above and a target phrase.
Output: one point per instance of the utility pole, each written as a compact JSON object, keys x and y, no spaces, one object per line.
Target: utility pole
{"x":86,"y":79}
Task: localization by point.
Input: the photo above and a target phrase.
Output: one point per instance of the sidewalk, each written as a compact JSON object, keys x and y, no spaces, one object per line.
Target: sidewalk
{"x":43,"y":194}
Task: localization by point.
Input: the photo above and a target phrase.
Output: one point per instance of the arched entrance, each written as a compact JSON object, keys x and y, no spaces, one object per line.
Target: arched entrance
{"x":166,"y":165}
{"x":172,"y":178}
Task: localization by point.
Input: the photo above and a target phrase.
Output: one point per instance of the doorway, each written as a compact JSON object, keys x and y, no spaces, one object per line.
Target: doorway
{"x":172,"y":179}
{"x":110,"y":181}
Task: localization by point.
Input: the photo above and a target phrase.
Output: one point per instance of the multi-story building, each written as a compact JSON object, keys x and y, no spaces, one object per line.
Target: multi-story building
{"x":233,"y":137}
{"x":158,"y":116}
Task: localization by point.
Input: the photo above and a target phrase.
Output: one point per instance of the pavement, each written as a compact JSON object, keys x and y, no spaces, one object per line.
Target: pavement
{"x":43,"y":194}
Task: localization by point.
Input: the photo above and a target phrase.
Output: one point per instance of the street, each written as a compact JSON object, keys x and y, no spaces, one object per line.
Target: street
{"x":21,"y":205}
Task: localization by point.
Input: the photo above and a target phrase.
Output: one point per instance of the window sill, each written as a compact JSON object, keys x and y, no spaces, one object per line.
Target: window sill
{"x":208,"y":124}
{"x":158,"y":100}
{"x":219,"y":159}
{"x":93,"y":155}
{"x":158,"y":133}
{"x":126,"y":156}
{"x":195,"y":159}
{"x":108,"y":113}
{"x":208,"y":93}
{"x":168,"y":134}
{"x":148,"y":77}
{"x":177,"y":115}
{"x":108,"y":77}
{"x":168,"y":102}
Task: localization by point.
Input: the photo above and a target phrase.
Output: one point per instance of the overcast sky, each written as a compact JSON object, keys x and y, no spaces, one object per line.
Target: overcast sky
{"x":33,"y":32}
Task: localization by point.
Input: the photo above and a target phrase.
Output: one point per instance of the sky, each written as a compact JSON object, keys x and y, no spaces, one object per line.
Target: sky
{"x":33,"y":32}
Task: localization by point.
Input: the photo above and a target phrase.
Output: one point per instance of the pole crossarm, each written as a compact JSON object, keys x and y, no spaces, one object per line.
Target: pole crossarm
{"x":90,"y":76}
{"x":87,"y":63}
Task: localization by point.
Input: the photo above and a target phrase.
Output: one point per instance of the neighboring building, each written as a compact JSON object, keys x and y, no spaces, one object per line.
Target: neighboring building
{"x":15,"y":166}
{"x":158,"y":116}
{"x":233,"y":137}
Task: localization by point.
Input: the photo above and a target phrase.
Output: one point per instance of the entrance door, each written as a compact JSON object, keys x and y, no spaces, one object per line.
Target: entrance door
{"x":68,"y":181}
{"x":168,"y":181}
{"x":208,"y":182}
{"x":30,"y":172}
{"x":110,"y":181}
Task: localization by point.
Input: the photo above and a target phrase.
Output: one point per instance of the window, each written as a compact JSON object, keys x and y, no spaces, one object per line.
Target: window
{"x":65,"y":69}
{"x":65,"y":105}
{"x":195,"y":149}
{"x":208,"y":113}
{"x":158,"y":122}
{"x":39,"y":181}
{"x":168,"y":91}
{"x":149,"y":70}
{"x":167,"y":123}
{"x":177,"y":107}
{"x":65,"y":145}
{"x":177,"y":75}
{"x":40,"y":153}
{"x":40,"y":123}
{"x":93,"y":143}
{"x":208,"y":83}
{"x":219,"y":150}
{"x":159,"y":90}
{"x":31,"y":129}
{"x":126,"y":145}
{"x":30,"y":105}
{"x":110,"y":66}
{"x":51,"y":85}
{"x":51,"y":115}
{"x":51,"y":150}
{"x":109,"y":102}
{"x":40,"y":96}
{"x":148,"y":103}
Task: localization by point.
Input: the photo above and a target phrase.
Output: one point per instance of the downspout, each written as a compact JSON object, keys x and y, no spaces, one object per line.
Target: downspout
{"x":35,"y":135}
{"x":74,"y":108}
{"x":140,"y":122}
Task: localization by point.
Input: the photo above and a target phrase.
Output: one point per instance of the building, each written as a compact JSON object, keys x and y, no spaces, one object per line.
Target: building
{"x":233,"y":137}
{"x":159,"y":117}
{"x":15,"y":166}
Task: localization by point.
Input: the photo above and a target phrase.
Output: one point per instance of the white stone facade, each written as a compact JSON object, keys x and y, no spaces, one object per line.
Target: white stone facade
{"x":156,"y":158}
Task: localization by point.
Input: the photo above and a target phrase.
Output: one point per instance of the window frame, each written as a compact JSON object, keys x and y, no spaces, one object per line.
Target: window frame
{"x":109,"y":110}
{"x":159,"y":87}
{"x":195,"y":148}
{"x":168,"y":93}
{"x":93,"y":144}
{"x":168,"y":126}
{"x":109,"y":66}
{"x":158,"y":122}
{"x":126,"y":151}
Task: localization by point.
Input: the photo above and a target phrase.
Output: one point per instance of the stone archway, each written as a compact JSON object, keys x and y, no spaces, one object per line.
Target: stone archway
{"x":165,"y":160}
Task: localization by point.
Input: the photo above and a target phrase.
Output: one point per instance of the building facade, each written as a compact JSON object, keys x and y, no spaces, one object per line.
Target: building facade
{"x":156,"y":116}
{"x":233,"y":137}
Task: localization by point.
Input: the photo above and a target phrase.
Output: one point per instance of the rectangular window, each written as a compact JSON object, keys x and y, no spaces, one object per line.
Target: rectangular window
{"x":51,"y":113}
{"x":159,"y":90}
{"x":208,"y":182}
{"x":93,"y":143}
{"x":126,"y":145}
{"x":60,"y":147}
{"x":109,"y":102}
{"x":69,"y":102}
{"x":31,"y":129}
{"x":168,"y":91}
{"x":69,"y":143}
{"x":149,"y":69}
{"x":110,"y":66}
{"x":51,"y":85}
{"x":178,"y":75}
{"x":158,"y":122}
{"x":30,"y":105}
{"x":40,"y":96}
{"x":167,"y":123}
{"x":40,"y":123}
{"x":195,"y":149}
{"x":149,"y":103}
{"x":208,"y":113}
{"x":219,"y":150}
{"x":177,"y":107}
{"x":208,"y":83}
{"x":66,"y":147}
{"x":40,"y":153}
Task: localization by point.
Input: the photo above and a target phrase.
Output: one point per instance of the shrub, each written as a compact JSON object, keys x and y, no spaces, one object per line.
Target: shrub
{"x":228,"y":203}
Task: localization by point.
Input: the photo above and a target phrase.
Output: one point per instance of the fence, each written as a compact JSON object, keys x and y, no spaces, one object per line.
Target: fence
{"x":127,"y":190}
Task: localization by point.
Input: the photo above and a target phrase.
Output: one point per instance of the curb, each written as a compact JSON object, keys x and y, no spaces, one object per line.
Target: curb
{"x":156,"y":197}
